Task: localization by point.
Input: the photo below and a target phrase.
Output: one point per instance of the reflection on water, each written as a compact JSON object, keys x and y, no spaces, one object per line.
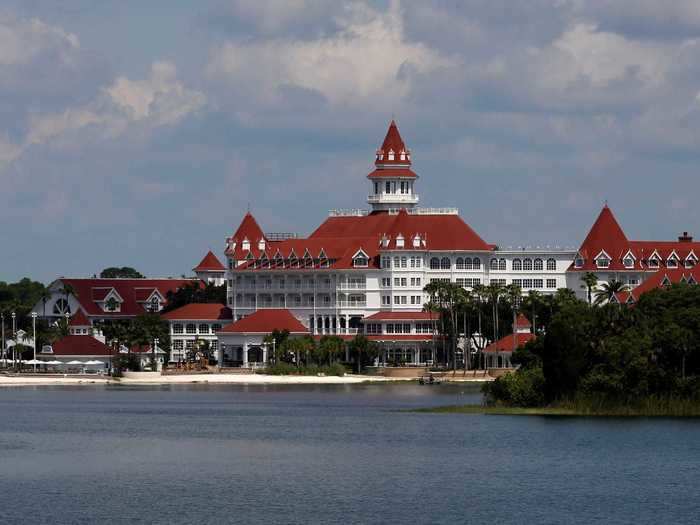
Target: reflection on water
{"x":331,"y":454}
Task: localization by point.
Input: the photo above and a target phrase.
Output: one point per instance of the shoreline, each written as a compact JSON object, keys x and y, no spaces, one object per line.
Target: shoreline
{"x":213,"y":379}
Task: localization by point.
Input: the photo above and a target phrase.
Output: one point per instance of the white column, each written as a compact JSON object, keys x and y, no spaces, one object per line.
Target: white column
{"x":220,"y":354}
{"x":347,"y":324}
{"x":264,"y":353}
{"x":245,"y":354}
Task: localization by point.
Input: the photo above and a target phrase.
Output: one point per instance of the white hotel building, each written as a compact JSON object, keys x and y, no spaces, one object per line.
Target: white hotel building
{"x":364,"y":270}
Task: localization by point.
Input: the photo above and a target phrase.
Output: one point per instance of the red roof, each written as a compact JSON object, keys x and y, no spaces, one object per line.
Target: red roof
{"x":133,"y":292}
{"x":265,"y":321}
{"x":402,"y":316}
{"x":505,"y":344}
{"x":402,"y":173}
{"x":210,"y":263}
{"x":83,"y":345}
{"x":79,"y":319}
{"x":606,"y":238}
{"x":385,"y":337}
{"x":199,"y":312}
{"x":659,"y":279}
{"x":394,"y":143}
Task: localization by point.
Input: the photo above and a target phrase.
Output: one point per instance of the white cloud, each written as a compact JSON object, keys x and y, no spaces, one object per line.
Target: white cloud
{"x":159,"y":100}
{"x":362,"y":63}
{"x":21,"y":41}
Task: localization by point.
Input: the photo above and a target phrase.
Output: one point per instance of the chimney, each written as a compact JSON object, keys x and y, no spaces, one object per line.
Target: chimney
{"x":685,"y":237}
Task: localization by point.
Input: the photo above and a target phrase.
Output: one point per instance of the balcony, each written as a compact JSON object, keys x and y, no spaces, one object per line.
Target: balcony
{"x":352,"y":304}
{"x":352,"y":285}
{"x":392,"y":198}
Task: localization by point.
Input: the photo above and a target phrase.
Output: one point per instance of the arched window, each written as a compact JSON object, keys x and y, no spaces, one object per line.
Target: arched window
{"x":477,"y":263}
{"x":502,"y":264}
{"x":203,"y":328}
{"x":494,"y":264}
{"x":468,"y":263}
{"x":538,"y":265}
{"x":551,"y":264}
{"x":460,"y":263}
{"x":177,"y":328}
{"x":527,"y":264}
{"x":434,"y":263}
{"x":517,"y":264}
{"x":191,"y":328}
{"x":61,"y":307}
{"x":445,"y":263}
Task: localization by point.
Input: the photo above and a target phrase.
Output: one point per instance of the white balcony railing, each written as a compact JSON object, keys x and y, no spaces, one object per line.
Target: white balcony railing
{"x":389,"y":198}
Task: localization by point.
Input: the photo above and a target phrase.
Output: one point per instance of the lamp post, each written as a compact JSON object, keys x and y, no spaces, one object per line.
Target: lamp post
{"x":34,"y":314}
{"x":155,"y":348}
{"x":14,"y":339}
{"x":3,"y":349}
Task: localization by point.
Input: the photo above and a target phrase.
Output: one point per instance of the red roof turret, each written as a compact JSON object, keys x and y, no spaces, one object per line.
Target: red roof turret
{"x":606,"y":236}
{"x":209,"y":263}
{"x":393,"y":150}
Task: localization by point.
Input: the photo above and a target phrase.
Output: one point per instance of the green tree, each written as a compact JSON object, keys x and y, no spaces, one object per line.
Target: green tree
{"x":362,"y":350}
{"x":330,"y":348}
{"x":590,"y":280}
{"x":125,"y":272}
{"x":608,"y":291}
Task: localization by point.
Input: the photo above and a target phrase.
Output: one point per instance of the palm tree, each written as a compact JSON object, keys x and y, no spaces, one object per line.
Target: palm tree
{"x":608,"y":291}
{"x":44,"y":297}
{"x":494,"y":293}
{"x":590,"y":280}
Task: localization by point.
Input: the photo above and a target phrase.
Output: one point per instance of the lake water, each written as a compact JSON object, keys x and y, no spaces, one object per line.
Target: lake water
{"x":330,"y":454}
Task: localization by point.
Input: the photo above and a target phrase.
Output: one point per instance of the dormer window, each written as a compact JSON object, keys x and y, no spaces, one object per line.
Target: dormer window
{"x":261,"y":244}
{"x":245,"y":244}
{"x":602,"y":262}
{"x":416,"y":241}
{"x":628,"y":262}
{"x":390,"y":156}
{"x":578,"y":262}
{"x":399,"y":241}
{"x":671,"y":263}
{"x":690,"y":261}
{"x":402,"y":155}
{"x":360,"y":259}
{"x":385,"y":241}
{"x":653,"y":262}
{"x":154,"y":305}
{"x":666,"y":281}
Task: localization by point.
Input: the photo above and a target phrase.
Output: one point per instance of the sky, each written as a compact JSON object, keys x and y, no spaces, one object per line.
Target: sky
{"x":139,"y":135}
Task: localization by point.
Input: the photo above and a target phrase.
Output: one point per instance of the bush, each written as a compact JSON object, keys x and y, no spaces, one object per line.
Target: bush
{"x":286,"y":369}
{"x":523,"y":388}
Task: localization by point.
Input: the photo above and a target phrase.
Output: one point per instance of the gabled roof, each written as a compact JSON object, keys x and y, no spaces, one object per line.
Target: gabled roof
{"x":250,"y":230}
{"x":659,"y":279}
{"x":607,"y":236}
{"x":199,"y":312}
{"x":265,"y":321}
{"x":522,"y":322}
{"x":210,"y":263}
{"x":79,"y":319}
{"x":80,"y":345}
{"x":91,"y":292}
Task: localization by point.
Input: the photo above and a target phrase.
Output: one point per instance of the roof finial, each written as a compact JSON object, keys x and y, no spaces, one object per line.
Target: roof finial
{"x":605,"y":203}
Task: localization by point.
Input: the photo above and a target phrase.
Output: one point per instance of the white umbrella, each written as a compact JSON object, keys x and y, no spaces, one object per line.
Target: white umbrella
{"x":75,"y":363}
{"x":34,"y":362}
{"x":95,"y":362}
{"x":53,"y":362}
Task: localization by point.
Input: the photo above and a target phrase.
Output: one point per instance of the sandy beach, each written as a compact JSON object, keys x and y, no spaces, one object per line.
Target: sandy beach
{"x":148,"y":378}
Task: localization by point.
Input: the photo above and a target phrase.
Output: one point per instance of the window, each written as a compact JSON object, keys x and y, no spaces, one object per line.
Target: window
{"x":537,"y":283}
{"x":397,"y":300}
{"x":551,"y":283}
{"x":672,"y":263}
{"x":689,"y":262}
{"x":177,"y":328}
{"x":399,"y":241}
{"x":633,"y":281}
{"x":653,"y":262}
{"x":502,"y":264}
{"x":476,"y":262}
{"x":527,"y":283}
{"x":215,"y":328}
{"x":360,"y":261}
{"x":404,"y":299}
{"x":415,"y":281}
{"x":386,"y":300}
{"x":403,"y":262}
{"x":498,"y":282}
{"x":373,"y":328}
{"x":404,"y":281}
{"x":578,"y":262}
{"x":191,"y":328}
{"x":376,"y":188}
{"x":386,"y":262}
{"x":538,"y":265}
{"x":602,"y":262}
{"x":517,"y":282}
{"x":551,"y":264}
{"x":460,"y":263}
{"x":517,"y":265}
{"x":203,"y":328}
{"x":61,"y":307}
{"x":468,"y":265}
{"x":445,"y":263}
{"x":527,"y":265}
{"x":494,"y":264}
{"x":389,"y":328}
{"x":419,"y":262}
{"x":387,"y":187}
{"x":386,"y":282}
{"x":628,"y":262}
{"x":434,"y":263}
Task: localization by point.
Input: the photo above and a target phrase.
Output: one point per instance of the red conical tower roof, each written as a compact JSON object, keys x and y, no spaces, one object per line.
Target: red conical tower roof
{"x":393,"y":145}
{"x":605,"y":235}
{"x":209,"y":263}
{"x":249,"y":229}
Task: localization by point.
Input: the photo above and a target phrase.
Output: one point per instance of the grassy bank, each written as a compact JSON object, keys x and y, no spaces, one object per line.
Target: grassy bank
{"x":286,"y":369}
{"x":646,"y":408}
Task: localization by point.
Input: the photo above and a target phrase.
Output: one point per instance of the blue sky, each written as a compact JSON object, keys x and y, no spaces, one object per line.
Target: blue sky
{"x":138,"y":136}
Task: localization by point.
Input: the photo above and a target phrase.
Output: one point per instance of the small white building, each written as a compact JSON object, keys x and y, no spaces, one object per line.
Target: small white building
{"x":193,"y":323}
